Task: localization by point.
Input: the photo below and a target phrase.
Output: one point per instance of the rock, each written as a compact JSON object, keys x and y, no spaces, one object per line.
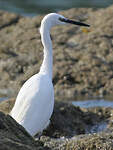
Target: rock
{"x":68,"y":120}
{"x":70,"y":128}
{"x":13,"y":136}
{"x":7,"y":19}
{"x":6,"y":105}
{"x":96,"y":141}
{"x":82,"y":61}
{"x":75,"y":128}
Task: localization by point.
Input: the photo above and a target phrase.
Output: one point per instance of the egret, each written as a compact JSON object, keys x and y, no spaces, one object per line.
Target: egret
{"x":35,"y":101}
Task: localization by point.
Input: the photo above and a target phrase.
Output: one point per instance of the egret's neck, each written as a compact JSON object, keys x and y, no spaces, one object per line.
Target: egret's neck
{"x":47,"y":64}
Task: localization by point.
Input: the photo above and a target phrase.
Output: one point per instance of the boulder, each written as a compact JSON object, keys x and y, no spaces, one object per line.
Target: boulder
{"x":13,"y":136}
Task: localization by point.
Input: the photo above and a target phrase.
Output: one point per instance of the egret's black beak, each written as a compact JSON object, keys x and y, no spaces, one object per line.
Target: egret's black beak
{"x":74,"y":22}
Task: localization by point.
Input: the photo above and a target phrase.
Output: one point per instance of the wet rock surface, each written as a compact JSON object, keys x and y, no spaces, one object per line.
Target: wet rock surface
{"x":70,"y":128}
{"x":83,"y":63}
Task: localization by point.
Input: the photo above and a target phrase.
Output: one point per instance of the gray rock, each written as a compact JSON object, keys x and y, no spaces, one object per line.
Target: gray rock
{"x":13,"y":136}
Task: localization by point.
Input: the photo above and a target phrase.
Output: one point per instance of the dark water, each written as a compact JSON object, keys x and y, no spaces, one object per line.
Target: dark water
{"x":34,"y":7}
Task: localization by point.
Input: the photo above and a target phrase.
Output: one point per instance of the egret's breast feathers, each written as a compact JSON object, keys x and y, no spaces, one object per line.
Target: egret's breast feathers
{"x":37,"y":91}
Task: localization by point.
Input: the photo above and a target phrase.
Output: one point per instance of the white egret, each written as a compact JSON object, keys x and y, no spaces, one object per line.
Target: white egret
{"x":35,"y":101}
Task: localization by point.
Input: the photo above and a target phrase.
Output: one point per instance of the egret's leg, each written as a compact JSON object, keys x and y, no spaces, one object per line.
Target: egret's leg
{"x":37,"y":137}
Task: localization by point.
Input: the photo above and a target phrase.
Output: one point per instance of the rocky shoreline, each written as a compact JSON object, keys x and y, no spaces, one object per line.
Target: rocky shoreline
{"x":83,"y":63}
{"x":70,"y":129}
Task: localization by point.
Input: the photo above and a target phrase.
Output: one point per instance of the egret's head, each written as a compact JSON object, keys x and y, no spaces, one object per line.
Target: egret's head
{"x":54,"y":19}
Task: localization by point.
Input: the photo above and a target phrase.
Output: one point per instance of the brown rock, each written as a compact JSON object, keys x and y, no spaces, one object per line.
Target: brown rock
{"x":77,"y":55}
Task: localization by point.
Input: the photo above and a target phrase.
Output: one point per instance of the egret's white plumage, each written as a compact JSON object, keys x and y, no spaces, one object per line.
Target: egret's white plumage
{"x":35,"y":101}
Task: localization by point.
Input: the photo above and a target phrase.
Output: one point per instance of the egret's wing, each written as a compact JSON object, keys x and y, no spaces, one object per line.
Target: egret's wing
{"x":36,"y":92}
{"x":26,"y":92}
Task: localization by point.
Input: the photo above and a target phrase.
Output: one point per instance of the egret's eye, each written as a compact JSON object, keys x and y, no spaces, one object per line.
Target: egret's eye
{"x":62,"y":19}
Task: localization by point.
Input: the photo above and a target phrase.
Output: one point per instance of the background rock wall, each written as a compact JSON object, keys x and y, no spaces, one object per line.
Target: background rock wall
{"x":83,"y":62}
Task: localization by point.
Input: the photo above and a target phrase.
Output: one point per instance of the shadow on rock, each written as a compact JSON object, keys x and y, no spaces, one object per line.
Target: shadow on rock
{"x":68,"y":120}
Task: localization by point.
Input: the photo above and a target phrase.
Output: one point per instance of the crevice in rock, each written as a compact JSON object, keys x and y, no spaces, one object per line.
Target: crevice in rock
{"x":14,"y":21}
